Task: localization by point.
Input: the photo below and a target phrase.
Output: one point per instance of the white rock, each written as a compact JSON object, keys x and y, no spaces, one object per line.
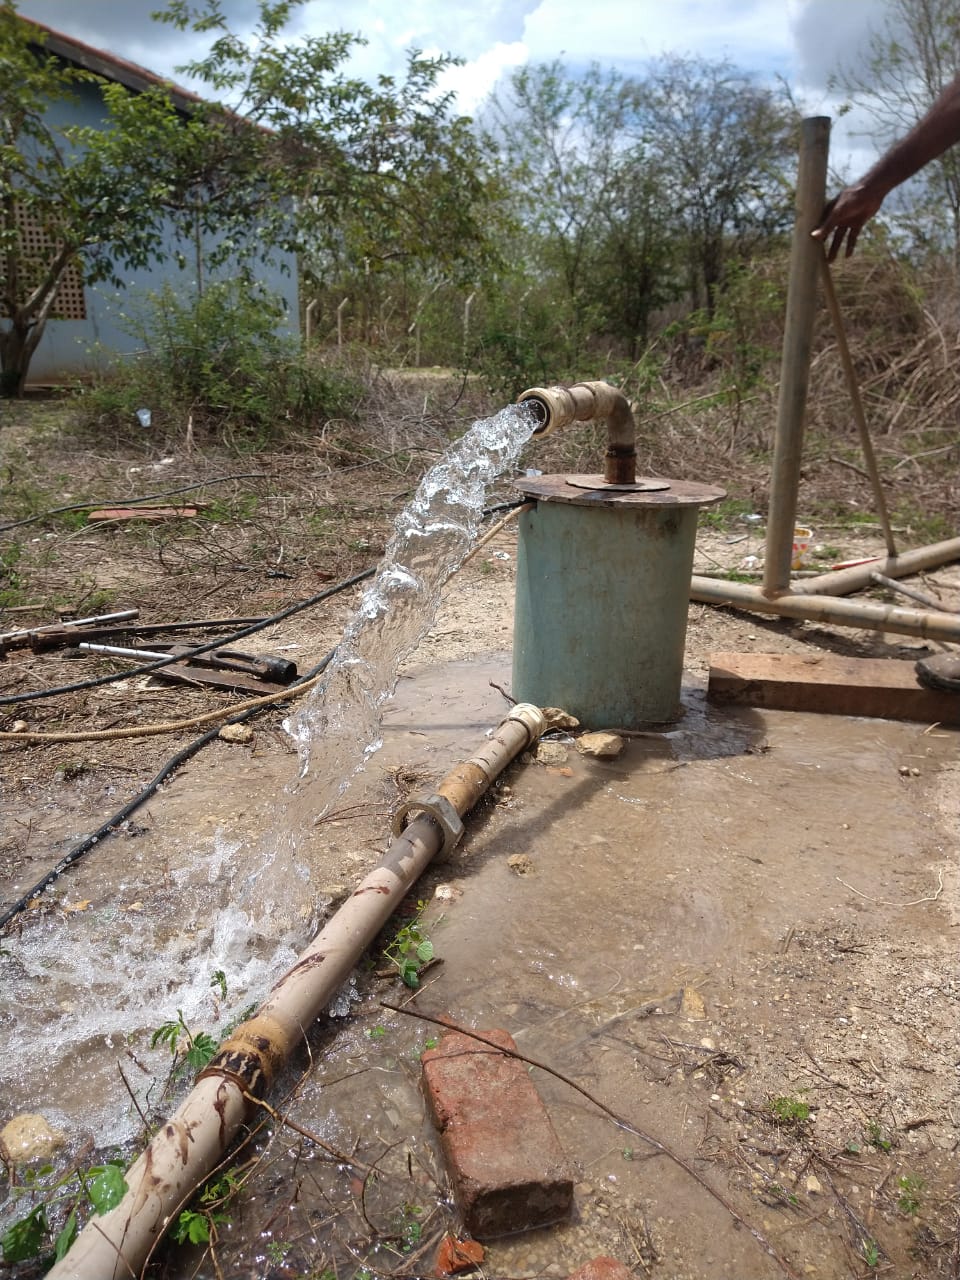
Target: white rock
{"x":29,"y":1137}
{"x":605,"y":746}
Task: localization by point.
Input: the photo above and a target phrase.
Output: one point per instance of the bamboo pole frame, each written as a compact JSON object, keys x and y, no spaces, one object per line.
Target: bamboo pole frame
{"x":193,"y":1141}
{"x":819,"y":598}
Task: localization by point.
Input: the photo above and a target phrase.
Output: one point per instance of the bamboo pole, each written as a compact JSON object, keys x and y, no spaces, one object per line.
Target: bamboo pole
{"x":870,"y":616}
{"x":841,"y":582}
{"x":849,"y":373}
{"x":795,"y":364}
{"x":194,"y":1140}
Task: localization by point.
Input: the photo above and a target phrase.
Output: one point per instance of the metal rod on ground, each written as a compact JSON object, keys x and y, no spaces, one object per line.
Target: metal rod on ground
{"x":866,"y":444}
{"x":842,"y":613}
{"x":795,"y":364}
{"x":195,"y":1138}
{"x":928,"y":602}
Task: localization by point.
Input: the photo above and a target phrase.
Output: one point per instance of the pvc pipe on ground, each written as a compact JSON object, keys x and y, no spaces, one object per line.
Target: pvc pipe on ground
{"x":195,"y":1139}
{"x":869,"y":616}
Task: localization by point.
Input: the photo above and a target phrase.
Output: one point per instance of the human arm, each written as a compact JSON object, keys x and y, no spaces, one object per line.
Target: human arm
{"x":846,"y":214}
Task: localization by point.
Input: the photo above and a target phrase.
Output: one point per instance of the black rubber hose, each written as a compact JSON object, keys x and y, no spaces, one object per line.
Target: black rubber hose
{"x":222,"y":642}
{"x":110,"y":826}
{"x":95,"y":682}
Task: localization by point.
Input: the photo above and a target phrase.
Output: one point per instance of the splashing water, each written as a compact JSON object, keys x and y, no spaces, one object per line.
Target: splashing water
{"x":340,"y":725}
{"x":133,"y":978}
{"x":338,"y":728}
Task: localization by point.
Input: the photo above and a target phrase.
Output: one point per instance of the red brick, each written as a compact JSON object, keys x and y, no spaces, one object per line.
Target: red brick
{"x":602,"y":1269}
{"x":506,"y":1166}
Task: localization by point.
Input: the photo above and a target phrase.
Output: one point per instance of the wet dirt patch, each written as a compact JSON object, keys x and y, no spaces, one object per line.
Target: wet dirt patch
{"x":777,"y":866}
{"x":740,"y":936}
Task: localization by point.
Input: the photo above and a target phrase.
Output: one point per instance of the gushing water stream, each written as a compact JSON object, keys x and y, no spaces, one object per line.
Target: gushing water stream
{"x":78,"y":989}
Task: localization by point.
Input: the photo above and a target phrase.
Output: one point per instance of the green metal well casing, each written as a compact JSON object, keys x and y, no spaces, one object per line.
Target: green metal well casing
{"x":603,"y":586}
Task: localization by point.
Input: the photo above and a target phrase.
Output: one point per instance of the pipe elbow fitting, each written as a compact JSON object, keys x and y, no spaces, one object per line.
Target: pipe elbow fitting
{"x":555,"y":407}
{"x":552,"y":407}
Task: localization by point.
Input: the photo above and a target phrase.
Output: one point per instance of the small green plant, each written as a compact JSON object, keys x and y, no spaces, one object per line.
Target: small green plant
{"x":375,"y":1033}
{"x":780,"y":1195}
{"x":789,"y":1111}
{"x":411,"y":949}
{"x":277,"y":1250}
{"x":192,"y":1050}
{"x":99,"y":1188}
{"x":908,"y":1202}
{"x":71,"y":770}
{"x":197,"y":1224}
{"x":878,"y":1137}
{"x":218,"y":980}
{"x":871,"y":1252}
{"x":408,"y":1226}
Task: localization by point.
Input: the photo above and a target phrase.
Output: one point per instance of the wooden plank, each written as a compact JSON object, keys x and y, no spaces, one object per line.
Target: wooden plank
{"x":142,"y":513}
{"x":883,"y":687}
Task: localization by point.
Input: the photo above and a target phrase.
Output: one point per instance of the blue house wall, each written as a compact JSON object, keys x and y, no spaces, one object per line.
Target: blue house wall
{"x":73,"y":348}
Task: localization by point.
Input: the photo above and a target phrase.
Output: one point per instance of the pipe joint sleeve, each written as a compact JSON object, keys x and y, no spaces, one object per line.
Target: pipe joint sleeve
{"x":532,"y":719}
{"x":440,"y":810}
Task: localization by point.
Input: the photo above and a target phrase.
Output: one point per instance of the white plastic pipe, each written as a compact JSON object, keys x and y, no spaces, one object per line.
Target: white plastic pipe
{"x":194,"y":1140}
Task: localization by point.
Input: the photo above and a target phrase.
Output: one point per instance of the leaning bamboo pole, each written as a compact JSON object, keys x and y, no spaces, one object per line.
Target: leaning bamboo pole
{"x":856,"y":403}
{"x":194,"y":1140}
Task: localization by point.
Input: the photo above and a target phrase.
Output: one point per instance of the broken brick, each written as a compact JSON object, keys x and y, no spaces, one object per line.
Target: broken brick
{"x":506,"y":1166}
{"x":602,"y":1269}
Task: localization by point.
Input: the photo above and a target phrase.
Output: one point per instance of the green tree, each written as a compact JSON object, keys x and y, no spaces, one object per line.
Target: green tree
{"x":378,"y":172}
{"x":584,"y":190}
{"x":96,"y":195}
{"x":289,"y":153}
{"x":720,"y":144}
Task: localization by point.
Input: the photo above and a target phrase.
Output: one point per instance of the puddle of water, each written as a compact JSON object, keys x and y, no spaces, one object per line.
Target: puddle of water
{"x":675,"y":866}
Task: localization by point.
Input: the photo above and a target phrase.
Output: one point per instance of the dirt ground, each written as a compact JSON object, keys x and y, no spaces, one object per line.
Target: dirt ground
{"x":740,"y":935}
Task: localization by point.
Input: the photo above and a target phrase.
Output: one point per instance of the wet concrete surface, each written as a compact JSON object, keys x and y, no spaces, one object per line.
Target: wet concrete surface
{"x":744,"y":907}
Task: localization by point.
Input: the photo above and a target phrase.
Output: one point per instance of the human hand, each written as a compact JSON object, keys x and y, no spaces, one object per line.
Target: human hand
{"x":845,"y":216}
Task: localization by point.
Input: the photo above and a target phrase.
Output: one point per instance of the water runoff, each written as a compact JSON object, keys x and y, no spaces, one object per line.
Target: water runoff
{"x":80,"y":992}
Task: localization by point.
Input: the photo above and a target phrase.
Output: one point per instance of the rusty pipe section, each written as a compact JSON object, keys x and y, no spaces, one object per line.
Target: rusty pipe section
{"x":187,"y":1148}
{"x":556,"y":407}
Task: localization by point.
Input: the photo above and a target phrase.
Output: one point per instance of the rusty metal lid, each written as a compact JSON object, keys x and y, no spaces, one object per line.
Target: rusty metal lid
{"x":591,"y":491}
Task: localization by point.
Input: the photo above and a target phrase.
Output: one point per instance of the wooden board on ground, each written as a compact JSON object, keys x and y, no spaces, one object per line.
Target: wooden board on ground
{"x":883,"y":687}
{"x":141,"y":513}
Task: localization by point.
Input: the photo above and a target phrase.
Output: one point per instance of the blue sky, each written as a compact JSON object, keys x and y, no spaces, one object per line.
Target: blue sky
{"x":800,"y":40}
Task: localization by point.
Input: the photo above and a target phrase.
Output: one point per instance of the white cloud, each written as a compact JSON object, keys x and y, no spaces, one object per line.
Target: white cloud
{"x":802,"y":40}
{"x":473,"y":81}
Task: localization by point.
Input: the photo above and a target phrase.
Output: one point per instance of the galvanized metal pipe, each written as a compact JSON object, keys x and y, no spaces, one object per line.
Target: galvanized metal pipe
{"x":795,"y":365}
{"x":869,"y":616}
{"x":196,"y":1137}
